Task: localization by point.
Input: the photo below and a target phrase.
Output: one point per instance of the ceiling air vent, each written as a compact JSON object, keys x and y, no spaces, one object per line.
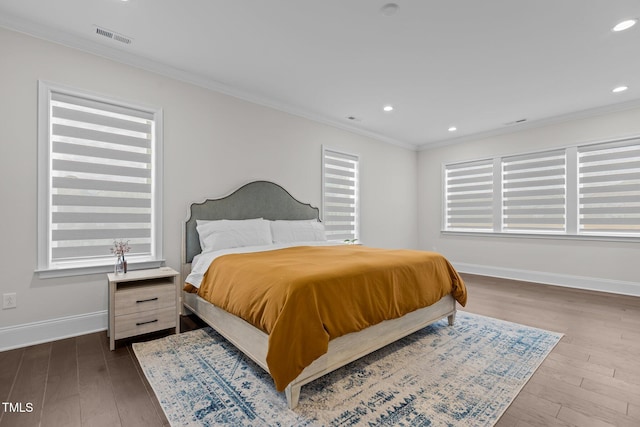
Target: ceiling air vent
{"x":113,"y":35}
{"x":515,"y":122}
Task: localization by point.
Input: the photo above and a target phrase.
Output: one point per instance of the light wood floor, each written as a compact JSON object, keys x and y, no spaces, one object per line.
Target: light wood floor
{"x":591,"y":378}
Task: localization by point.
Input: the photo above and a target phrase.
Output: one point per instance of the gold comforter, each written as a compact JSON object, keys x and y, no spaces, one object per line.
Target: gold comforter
{"x":304,"y":296}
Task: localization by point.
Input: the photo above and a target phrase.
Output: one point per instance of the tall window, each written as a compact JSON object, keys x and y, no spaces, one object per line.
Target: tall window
{"x":100,"y":181}
{"x":583,"y":190}
{"x":340,"y":198}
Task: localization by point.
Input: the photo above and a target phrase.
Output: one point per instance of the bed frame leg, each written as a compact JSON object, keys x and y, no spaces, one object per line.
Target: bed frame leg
{"x":185,"y":311}
{"x":293,"y":395}
{"x":452,"y":318}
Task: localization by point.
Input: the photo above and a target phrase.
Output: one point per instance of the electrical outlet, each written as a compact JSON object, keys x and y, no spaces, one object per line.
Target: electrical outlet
{"x":9,"y":300}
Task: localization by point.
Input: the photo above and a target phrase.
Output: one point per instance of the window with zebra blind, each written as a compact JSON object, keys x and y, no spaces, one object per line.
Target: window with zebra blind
{"x":469,"y":194}
{"x":534,"y":190}
{"x":340,"y":198}
{"x":100,"y":181}
{"x":609,"y":188}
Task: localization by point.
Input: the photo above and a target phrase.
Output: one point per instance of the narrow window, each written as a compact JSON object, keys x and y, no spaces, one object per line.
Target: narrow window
{"x":340,"y":198}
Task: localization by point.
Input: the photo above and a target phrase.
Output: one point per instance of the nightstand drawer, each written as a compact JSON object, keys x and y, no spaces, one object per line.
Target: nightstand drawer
{"x":143,"y":298}
{"x":147,"y":321}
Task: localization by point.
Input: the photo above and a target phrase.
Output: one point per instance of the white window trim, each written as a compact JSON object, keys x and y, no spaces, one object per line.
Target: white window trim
{"x":572,"y":201}
{"x":44,"y":270}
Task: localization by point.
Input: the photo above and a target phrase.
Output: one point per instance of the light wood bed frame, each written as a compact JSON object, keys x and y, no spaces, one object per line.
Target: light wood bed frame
{"x":263,"y":199}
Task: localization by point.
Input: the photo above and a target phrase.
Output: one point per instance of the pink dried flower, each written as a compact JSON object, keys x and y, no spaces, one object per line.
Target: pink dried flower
{"x":120,"y":247}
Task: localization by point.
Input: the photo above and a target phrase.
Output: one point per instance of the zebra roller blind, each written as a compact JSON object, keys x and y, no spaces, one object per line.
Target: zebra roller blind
{"x":340,"y":202}
{"x":101,"y":180}
{"x":534,"y":192}
{"x":469,"y":196}
{"x":609,"y":188}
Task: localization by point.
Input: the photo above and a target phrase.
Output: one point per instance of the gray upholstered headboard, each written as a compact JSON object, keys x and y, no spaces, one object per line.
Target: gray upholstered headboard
{"x":258,"y":199}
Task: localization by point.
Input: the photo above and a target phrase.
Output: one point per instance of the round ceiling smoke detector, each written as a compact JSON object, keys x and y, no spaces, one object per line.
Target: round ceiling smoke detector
{"x":389,"y":9}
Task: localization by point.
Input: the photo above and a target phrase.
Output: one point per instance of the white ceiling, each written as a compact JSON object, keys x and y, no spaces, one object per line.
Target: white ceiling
{"x":476,"y":65}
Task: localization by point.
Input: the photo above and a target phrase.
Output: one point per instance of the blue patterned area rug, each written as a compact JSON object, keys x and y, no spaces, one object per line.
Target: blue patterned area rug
{"x":464,"y":375}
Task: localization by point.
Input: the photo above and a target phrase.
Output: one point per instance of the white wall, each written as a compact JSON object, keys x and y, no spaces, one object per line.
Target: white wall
{"x":610,"y":266}
{"x":213,"y":143}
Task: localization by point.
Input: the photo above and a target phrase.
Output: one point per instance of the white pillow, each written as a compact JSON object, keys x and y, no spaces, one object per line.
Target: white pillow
{"x":297,"y":231}
{"x":225,"y":233}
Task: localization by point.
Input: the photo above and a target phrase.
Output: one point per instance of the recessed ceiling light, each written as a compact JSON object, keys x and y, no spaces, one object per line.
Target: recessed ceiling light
{"x":624,"y":25}
{"x":453,"y":129}
{"x":388,"y":108}
{"x":619,"y":89}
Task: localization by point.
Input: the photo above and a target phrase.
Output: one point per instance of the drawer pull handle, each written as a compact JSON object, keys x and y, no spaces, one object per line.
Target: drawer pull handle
{"x":144,"y":323}
{"x":147,"y":300}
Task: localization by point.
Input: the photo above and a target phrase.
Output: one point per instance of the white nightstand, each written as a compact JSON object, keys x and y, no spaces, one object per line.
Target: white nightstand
{"x":143,"y":301}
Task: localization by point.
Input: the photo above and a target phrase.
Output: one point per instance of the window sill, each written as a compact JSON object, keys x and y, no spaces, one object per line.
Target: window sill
{"x":96,"y":269}
{"x":581,"y":237}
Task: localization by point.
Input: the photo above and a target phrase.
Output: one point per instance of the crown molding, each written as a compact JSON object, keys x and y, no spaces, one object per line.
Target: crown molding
{"x":86,"y":45}
{"x":582,"y":114}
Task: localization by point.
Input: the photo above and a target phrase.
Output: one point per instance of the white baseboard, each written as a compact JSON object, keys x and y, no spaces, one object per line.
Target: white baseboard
{"x":568,"y":281}
{"x":50,"y":330}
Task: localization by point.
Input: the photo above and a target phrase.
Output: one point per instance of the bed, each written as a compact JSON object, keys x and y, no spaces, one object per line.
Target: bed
{"x":273,"y":204}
